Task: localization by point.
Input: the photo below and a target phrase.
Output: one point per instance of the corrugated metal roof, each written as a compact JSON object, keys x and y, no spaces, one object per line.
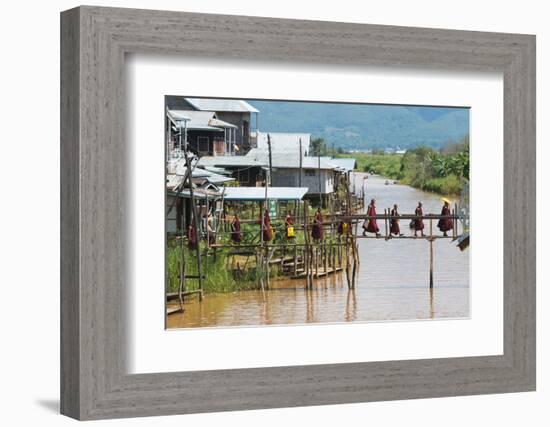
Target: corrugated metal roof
{"x":174,"y":179}
{"x":214,"y":178}
{"x":230,"y":161}
{"x":258,"y":193}
{"x":227,"y":105}
{"x":219,"y":171}
{"x":200,"y":120}
{"x":221,"y":123}
{"x":176,"y":115}
{"x":288,"y":160}
{"x":347,"y":164}
{"x":198,"y":193}
{"x":284,"y":142}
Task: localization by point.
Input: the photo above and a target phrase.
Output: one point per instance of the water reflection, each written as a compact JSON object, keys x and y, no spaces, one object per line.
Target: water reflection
{"x":351,"y":306}
{"x":392,"y":284}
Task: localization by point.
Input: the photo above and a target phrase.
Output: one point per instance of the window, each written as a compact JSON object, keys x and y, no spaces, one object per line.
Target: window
{"x":243,"y":176}
{"x":310,"y":172}
{"x":203,"y":143}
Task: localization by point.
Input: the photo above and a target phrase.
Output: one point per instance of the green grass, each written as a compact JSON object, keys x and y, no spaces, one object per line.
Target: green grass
{"x":218,"y":278}
{"x":387,"y":165}
{"x":420,"y":168}
{"x":447,"y":185}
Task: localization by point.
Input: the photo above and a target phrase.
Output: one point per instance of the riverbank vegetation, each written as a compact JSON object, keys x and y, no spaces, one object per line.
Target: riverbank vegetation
{"x":441,"y":171}
{"x":222,"y":270}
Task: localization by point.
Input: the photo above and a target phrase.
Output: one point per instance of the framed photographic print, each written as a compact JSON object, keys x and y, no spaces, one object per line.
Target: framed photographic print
{"x":292,"y":213}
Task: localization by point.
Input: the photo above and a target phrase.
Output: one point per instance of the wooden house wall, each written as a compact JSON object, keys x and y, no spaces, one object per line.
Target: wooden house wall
{"x":310,"y":178}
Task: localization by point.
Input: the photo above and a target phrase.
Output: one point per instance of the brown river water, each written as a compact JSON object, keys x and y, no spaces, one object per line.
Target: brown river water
{"x":392,"y":284}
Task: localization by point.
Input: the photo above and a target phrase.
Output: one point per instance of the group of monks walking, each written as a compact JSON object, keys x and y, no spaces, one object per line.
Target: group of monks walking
{"x":417,"y":224}
{"x":317,"y":230}
{"x":267,"y":232}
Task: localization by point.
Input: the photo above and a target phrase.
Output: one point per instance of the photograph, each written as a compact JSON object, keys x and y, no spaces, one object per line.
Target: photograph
{"x":286,"y":212}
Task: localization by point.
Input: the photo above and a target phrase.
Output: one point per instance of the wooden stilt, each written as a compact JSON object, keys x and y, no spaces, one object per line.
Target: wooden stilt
{"x":431,"y":256}
{"x":431,"y":264}
{"x":194,"y":212}
{"x":317,"y":260}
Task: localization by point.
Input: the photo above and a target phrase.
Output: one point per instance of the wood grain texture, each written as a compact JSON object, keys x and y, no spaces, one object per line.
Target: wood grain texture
{"x":94,"y":238}
{"x":70,"y":291}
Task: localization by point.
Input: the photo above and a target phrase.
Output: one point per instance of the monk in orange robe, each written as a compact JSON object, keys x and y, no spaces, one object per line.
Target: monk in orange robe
{"x":418,"y":224}
{"x":236,"y":229}
{"x":394,"y":222}
{"x":370,"y":225}
{"x":445,"y":224}
{"x":267,"y":231}
{"x":317,"y":231}
{"x":191,"y":237}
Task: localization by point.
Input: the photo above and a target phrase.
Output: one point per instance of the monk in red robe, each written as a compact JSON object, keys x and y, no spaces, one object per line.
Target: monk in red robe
{"x":418,"y":224}
{"x":210,"y":232}
{"x":191,"y":237}
{"x":445,"y":224}
{"x":370,"y":225}
{"x":394,"y":222}
{"x":317,"y":231}
{"x":289,"y":225}
{"x":236,"y":229}
{"x":267,"y":230}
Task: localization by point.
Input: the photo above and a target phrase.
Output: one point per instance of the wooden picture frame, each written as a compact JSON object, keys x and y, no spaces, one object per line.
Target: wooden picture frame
{"x":94,"y":382}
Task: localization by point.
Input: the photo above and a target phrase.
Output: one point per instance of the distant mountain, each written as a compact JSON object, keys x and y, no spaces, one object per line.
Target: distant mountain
{"x":362,"y":127}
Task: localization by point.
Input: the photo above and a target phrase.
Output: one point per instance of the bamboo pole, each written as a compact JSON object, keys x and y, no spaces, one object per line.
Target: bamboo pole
{"x":347,"y":264}
{"x":431,"y":257}
{"x":317,"y":248}
{"x":181,"y":287}
{"x":340,"y":250}
{"x":355,"y":261}
{"x":455,"y":221}
{"x":194,"y":212}
{"x":325,"y":257}
{"x":319,"y":174}
{"x":295,"y":260}
{"x":385,"y":224}
{"x":307,"y":247}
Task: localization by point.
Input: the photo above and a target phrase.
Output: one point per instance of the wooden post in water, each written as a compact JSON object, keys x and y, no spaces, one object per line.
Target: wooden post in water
{"x":317,"y":261}
{"x":193,"y":209}
{"x":347,"y":263}
{"x":355,"y":262}
{"x":295,"y":259}
{"x":385,"y":223}
{"x":455,"y":223}
{"x":306,"y":249}
{"x":326,"y":257}
{"x":340,"y":250}
{"x":431,"y":257}
{"x":181,"y":287}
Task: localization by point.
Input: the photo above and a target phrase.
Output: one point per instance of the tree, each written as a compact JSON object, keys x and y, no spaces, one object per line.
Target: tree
{"x":318,"y":147}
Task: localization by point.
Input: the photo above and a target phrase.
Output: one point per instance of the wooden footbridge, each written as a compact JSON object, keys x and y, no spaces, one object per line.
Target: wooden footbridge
{"x":306,"y":258}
